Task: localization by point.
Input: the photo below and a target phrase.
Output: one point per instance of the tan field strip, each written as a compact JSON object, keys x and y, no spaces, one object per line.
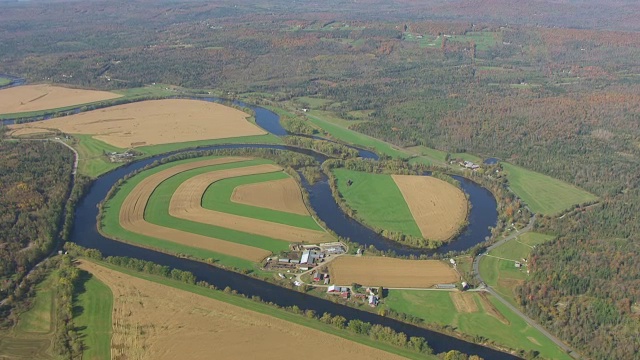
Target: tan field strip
{"x":186,"y":203}
{"x":438,"y":207}
{"x":156,"y":122}
{"x":155,"y":321}
{"x":44,"y":97}
{"x":464,"y":302}
{"x":132,"y":216}
{"x":281,"y":195}
{"x":29,"y":131}
{"x":390,"y":272}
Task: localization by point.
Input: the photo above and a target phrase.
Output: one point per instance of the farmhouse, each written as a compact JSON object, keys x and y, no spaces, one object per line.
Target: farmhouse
{"x":470,"y":165}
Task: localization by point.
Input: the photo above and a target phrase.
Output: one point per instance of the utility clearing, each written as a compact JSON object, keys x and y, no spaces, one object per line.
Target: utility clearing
{"x":155,"y":122}
{"x":390,"y":272}
{"x":186,"y":203}
{"x":155,"y":321}
{"x":438,"y":207}
{"x":44,"y":97}
{"x":281,"y":195}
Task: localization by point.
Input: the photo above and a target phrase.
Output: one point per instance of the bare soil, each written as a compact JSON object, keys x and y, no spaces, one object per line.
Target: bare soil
{"x":186,"y":203}
{"x":132,"y":216}
{"x":390,"y":272}
{"x":154,"y":321}
{"x":44,"y":97}
{"x":281,"y":195}
{"x":156,"y":122}
{"x":438,"y":207}
{"x":464,"y":302}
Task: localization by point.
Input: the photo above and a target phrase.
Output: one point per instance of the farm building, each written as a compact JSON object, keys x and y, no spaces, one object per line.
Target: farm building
{"x":309,"y":257}
{"x":337,"y":289}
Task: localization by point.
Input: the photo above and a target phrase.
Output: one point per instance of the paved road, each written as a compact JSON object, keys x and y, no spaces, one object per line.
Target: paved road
{"x":517,"y":311}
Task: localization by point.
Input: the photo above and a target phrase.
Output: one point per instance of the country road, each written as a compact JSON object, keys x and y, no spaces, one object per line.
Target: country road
{"x":528,"y":320}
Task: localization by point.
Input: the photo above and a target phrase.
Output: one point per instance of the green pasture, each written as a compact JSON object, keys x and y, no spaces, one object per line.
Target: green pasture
{"x":313,"y":102}
{"x":92,"y":316}
{"x":218,"y":197}
{"x":265,"y":309}
{"x":377,"y":200}
{"x":437,"y":307}
{"x":110,"y":223}
{"x":4,"y":81}
{"x":544,"y":194}
{"x":340,"y":132}
{"x":498,"y":268}
{"x":39,"y":318}
{"x":484,"y":40}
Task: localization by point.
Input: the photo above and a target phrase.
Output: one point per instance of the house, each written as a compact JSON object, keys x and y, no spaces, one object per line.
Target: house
{"x":373,"y":300}
{"x":318,"y":276}
{"x":518,"y":264}
{"x":337,"y":289}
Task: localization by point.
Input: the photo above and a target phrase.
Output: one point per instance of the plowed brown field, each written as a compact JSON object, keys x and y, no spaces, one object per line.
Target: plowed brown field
{"x":154,"y":321}
{"x":281,"y":195}
{"x":438,"y":207}
{"x":44,"y":97}
{"x":132,"y":216}
{"x":156,"y":122}
{"x":186,"y":203}
{"x":464,"y":302}
{"x":390,"y":272}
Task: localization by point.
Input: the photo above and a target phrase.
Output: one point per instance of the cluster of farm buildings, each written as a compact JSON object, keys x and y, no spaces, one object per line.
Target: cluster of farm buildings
{"x":306,"y":257}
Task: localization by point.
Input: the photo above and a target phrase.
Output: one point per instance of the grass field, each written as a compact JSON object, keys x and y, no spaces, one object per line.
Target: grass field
{"x":38,"y":318}
{"x":111,"y":226}
{"x":483,"y":39}
{"x":4,"y":81}
{"x":501,"y":274}
{"x":264,"y":309}
{"x":218,"y":197}
{"x":544,"y":194}
{"x":92,"y":315}
{"x":486,"y":317}
{"x":377,"y":200}
{"x":341,"y":133}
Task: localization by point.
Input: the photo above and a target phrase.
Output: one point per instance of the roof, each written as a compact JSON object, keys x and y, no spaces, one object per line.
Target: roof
{"x":305,"y":257}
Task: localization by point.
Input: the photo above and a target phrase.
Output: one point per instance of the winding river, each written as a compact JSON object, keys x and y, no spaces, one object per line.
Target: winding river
{"x":483,"y":215}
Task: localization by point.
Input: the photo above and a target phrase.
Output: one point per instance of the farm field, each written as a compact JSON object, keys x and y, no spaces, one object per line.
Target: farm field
{"x":28,"y":98}
{"x":92,"y":315}
{"x":544,"y":194}
{"x":4,"y":81}
{"x":201,"y":318}
{"x":280,"y":195}
{"x":377,"y":201}
{"x":475,"y":314}
{"x":264,"y":196}
{"x":155,"y":122}
{"x":186,"y":204}
{"x":438,"y":207}
{"x":498,"y":267}
{"x":390,"y":272}
{"x":29,"y":131}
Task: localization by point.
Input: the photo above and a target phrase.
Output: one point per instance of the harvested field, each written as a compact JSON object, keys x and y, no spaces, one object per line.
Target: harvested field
{"x":132,"y":216}
{"x":390,"y":272}
{"x":29,"y":131}
{"x":464,"y":302}
{"x":203,"y":327}
{"x":186,"y":203}
{"x":156,"y":122}
{"x":281,"y":195}
{"x":438,"y":207}
{"x":44,"y":97}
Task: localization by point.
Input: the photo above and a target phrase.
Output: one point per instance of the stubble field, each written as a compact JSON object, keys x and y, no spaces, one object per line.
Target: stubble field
{"x":204,"y":327}
{"x":390,"y":272}
{"x":155,"y":122}
{"x":43,"y":97}
{"x":281,"y":195}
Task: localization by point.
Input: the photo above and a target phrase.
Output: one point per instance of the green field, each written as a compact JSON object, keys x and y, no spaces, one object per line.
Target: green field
{"x":218,"y":197}
{"x":38,"y":318}
{"x":271,"y":311}
{"x":157,"y":212}
{"x":92,"y":316}
{"x":377,"y":201}
{"x":544,"y":194}
{"x":498,"y":268}
{"x":484,"y":40}
{"x":4,"y":81}
{"x":340,"y":132}
{"x":437,"y":307}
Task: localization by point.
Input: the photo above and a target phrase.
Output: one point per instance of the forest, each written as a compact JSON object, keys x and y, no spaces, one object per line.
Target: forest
{"x":550,"y":86}
{"x":35,"y":177}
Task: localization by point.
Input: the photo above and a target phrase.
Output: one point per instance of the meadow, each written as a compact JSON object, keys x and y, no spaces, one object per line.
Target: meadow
{"x":92,"y":316}
{"x":377,"y":201}
{"x":544,"y":194}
